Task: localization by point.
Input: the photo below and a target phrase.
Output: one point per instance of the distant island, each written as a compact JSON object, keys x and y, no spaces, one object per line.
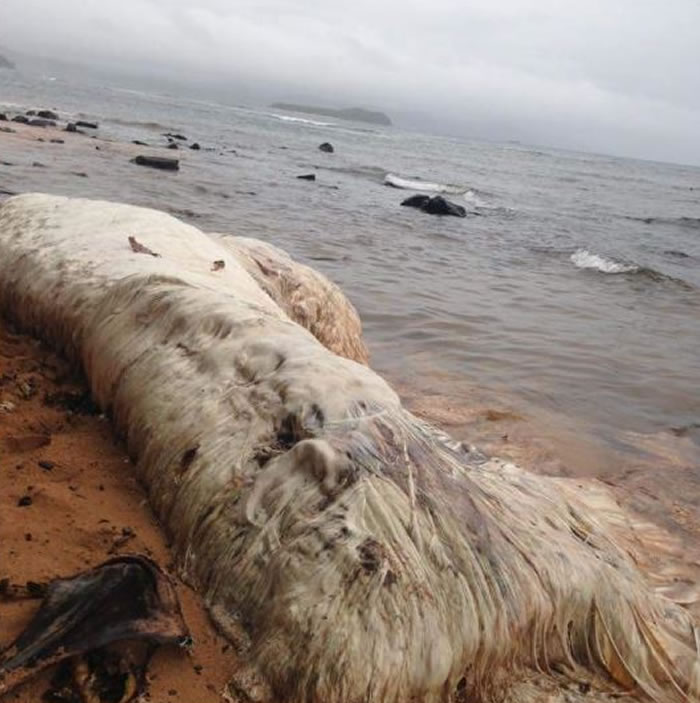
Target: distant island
{"x":356,"y":114}
{"x":5,"y":63}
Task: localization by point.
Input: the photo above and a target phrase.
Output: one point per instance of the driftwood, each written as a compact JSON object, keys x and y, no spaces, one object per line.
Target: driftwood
{"x":363,"y":555}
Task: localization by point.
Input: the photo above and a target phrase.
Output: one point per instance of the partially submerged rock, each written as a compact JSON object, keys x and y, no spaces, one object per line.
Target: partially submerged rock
{"x":86,"y":125}
{"x":21,"y":119}
{"x":41,"y":122}
{"x":437,"y":205}
{"x":327,"y":147}
{"x":307,"y":177}
{"x":160,"y":162}
{"x":47,"y":115}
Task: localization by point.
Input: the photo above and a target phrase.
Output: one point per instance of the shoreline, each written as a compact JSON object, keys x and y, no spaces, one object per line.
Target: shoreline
{"x":637,"y":490}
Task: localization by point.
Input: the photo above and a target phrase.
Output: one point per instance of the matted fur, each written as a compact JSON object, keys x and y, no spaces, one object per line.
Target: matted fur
{"x":365,"y":556}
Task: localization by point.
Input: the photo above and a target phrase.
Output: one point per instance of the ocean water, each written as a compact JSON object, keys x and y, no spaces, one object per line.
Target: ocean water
{"x":571,"y":288}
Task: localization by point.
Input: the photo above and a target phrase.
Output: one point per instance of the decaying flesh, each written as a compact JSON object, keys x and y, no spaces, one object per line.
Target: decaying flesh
{"x":364,"y":556}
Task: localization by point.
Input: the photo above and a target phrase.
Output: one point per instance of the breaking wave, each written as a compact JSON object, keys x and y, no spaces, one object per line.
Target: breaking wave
{"x":302,"y":120}
{"x":584,"y":259}
{"x":426,"y":186}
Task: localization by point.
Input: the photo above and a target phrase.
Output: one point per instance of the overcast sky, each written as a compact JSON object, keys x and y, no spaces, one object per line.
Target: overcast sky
{"x":619,"y":76}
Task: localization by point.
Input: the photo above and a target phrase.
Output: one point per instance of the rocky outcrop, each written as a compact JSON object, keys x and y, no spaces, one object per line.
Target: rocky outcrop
{"x":327,"y":147}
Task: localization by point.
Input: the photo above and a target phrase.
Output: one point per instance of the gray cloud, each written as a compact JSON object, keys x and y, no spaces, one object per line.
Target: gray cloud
{"x":599,"y":75}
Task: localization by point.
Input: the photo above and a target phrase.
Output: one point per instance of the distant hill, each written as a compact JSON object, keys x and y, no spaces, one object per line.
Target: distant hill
{"x":5,"y":63}
{"x":356,"y":114}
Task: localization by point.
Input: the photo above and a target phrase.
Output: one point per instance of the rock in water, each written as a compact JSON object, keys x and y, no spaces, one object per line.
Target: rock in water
{"x":327,"y":147}
{"x":436,"y":205}
{"x":195,"y":147}
{"x":47,"y":114}
{"x":70,"y":127}
{"x":170,"y":135}
{"x":160,"y":162}
{"x":307,"y":177}
{"x":439,"y":206}
{"x":87,"y":125}
{"x":41,"y":122}
{"x":3,"y":117}
{"x":21,"y":119}
{"x":419,"y":201}
{"x":173,"y":145}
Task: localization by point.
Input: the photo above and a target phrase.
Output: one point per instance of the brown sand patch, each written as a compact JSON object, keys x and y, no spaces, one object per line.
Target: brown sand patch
{"x":70,"y":501}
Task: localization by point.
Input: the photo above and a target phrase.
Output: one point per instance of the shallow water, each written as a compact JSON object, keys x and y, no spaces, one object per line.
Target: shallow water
{"x":571,"y":290}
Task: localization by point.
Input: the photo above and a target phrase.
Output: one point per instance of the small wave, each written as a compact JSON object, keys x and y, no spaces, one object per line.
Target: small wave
{"x":584,"y":259}
{"x":690,"y":222}
{"x":287,"y":118}
{"x":395,"y":181}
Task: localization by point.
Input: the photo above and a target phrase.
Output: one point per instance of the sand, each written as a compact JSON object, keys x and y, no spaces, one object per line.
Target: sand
{"x":85,"y":505}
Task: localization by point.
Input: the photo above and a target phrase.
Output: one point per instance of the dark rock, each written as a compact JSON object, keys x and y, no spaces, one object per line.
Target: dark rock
{"x":38,"y":164}
{"x":71,"y":127}
{"x":47,"y":114}
{"x":418,"y":201}
{"x":436,"y":205}
{"x":327,"y":147}
{"x":307,"y":177}
{"x":139,"y":143}
{"x":86,"y":125}
{"x":3,"y":117}
{"x":41,"y":122}
{"x":21,"y":119}
{"x":195,"y":146}
{"x":160,"y":162}
{"x":173,"y":145}
{"x":46,"y":465}
{"x":80,"y":174}
{"x":439,"y":206}
{"x":30,"y":113}
{"x":170,"y":135}
{"x":24,"y":502}
{"x":56,"y":141}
